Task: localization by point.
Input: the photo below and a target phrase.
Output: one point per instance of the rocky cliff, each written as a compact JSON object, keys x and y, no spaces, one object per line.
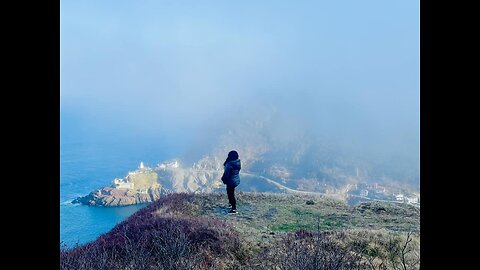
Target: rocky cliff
{"x":109,"y":196}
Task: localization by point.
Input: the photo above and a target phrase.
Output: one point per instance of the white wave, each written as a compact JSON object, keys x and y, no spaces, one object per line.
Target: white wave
{"x":69,"y":203}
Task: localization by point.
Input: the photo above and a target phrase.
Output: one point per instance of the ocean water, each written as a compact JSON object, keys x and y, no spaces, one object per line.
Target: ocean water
{"x":88,"y":165}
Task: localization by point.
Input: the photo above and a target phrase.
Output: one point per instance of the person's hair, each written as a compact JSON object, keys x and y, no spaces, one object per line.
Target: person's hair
{"x":232,"y":155}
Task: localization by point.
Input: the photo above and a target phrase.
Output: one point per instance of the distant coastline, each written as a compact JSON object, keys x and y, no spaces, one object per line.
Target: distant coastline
{"x":148,"y":184}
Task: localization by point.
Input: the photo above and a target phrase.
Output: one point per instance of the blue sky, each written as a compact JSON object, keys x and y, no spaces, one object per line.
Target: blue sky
{"x":349,"y":69}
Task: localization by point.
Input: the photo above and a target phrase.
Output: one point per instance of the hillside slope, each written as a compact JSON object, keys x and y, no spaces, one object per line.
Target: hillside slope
{"x":194,"y":231}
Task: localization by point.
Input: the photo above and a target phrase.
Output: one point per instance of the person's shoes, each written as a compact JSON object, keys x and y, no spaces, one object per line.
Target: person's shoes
{"x":233,"y":211}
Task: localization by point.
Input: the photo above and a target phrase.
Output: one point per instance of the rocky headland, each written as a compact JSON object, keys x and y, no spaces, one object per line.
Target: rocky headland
{"x":110,"y":196}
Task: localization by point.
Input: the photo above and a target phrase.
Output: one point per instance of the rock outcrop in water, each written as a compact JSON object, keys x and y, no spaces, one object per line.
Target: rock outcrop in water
{"x":109,"y":196}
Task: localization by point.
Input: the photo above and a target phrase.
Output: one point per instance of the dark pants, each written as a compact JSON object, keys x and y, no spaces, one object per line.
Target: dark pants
{"x":231,"y":197}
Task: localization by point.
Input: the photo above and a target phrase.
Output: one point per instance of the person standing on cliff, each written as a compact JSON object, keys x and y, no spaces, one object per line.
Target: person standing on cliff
{"x":231,"y":178}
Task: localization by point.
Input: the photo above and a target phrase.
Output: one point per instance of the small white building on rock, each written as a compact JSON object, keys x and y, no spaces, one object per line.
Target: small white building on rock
{"x":121,"y":183}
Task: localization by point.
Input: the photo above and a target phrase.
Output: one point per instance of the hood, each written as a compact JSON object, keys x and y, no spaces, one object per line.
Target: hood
{"x":235,"y":164}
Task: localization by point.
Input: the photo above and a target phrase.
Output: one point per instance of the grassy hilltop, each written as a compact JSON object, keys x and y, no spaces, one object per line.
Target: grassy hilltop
{"x":271,"y":231}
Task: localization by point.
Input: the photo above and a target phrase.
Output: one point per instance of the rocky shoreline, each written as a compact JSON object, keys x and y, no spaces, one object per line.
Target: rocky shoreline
{"x":109,"y":196}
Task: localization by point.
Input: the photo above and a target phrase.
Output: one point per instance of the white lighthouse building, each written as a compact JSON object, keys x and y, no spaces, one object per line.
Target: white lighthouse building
{"x":141,"y":165}
{"x":123,"y":183}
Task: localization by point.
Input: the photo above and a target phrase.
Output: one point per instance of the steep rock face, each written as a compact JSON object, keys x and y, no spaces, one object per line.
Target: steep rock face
{"x":108,"y":196}
{"x":190,"y":179}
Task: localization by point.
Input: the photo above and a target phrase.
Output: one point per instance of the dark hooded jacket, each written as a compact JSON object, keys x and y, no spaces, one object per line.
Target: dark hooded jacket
{"x":231,"y":175}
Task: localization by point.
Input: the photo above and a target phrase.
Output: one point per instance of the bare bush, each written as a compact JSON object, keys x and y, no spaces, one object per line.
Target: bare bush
{"x":339,"y":250}
{"x":307,"y":250}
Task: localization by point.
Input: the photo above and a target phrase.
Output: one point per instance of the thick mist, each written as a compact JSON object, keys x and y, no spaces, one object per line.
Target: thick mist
{"x":311,"y":75}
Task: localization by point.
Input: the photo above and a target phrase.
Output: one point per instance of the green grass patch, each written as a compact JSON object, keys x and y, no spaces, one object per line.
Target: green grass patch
{"x":289,"y":227}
